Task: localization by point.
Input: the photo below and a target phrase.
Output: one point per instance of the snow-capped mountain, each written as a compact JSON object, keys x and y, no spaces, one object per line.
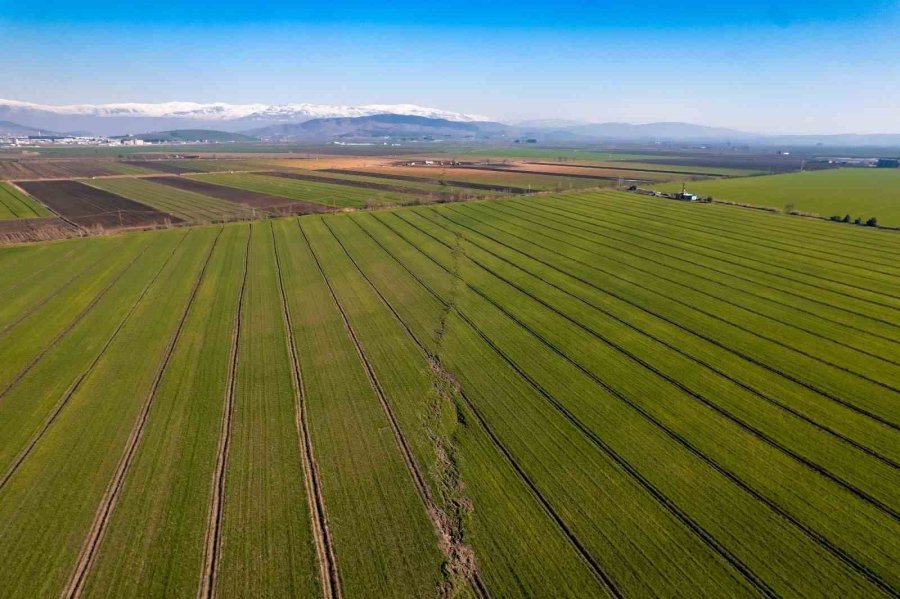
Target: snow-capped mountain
{"x":117,"y":119}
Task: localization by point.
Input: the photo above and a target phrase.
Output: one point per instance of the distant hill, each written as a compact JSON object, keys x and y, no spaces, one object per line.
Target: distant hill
{"x":15,"y":129}
{"x":379,"y":126}
{"x":188,"y":135}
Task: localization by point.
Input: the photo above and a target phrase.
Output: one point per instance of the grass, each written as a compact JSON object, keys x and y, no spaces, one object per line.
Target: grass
{"x":590,"y":393}
{"x":186,"y":205}
{"x":266,"y":540}
{"x":863,"y":193}
{"x":50,"y":501}
{"x":320,"y":193}
{"x":15,"y":203}
{"x":165,"y":488}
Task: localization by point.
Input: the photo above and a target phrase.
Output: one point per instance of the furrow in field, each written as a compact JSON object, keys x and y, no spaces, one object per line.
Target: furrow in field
{"x":703,"y":276}
{"x":460,"y":562}
{"x":50,"y":503}
{"x":212,"y":542}
{"x":384,"y":541}
{"x":755,"y":391}
{"x":267,"y":548}
{"x":657,"y":507}
{"x":877,"y":322}
{"x":690,"y":390}
{"x":328,"y":569}
{"x":434,"y":358}
{"x":836,"y":528}
{"x":872,"y":293}
{"x":640,"y":207}
{"x":856,"y":395}
{"x":75,"y":586}
{"x":153,"y":545}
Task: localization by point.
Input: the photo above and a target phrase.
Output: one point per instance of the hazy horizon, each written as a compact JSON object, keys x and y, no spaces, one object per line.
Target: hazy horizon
{"x":804,"y":68}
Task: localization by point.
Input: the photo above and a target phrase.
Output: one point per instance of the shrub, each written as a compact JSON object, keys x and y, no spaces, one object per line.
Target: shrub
{"x":872,"y":222}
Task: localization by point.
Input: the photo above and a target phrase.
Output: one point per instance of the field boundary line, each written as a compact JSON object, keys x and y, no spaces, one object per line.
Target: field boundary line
{"x":72,"y":324}
{"x":606,"y":234}
{"x":824,"y":542}
{"x":701,"y":246}
{"x":328,"y":567}
{"x":438,"y":517}
{"x":743,"y":385}
{"x":206,"y":586}
{"x":585,"y":554}
{"x":96,"y":533}
{"x":793,"y":378}
{"x":26,"y":451}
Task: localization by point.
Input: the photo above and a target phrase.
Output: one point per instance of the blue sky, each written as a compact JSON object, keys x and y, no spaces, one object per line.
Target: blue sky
{"x":792,"y":67}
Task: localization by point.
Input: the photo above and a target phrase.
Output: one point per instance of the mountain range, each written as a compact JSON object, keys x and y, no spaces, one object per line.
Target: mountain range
{"x":122,"y":119}
{"x":187,"y":121}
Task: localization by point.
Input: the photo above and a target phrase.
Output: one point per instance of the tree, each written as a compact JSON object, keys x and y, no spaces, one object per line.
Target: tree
{"x":872,"y":222}
{"x":857,"y":221}
{"x":846,"y":218}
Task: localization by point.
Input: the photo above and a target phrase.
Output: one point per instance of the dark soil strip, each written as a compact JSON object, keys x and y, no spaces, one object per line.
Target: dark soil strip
{"x":162,"y":167}
{"x":621,"y":168}
{"x":264,"y":202}
{"x":439,"y":519}
{"x":656,"y":493}
{"x":70,"y":326}
{"x":749,"y":358}
{"x":680,"y":351}
{"x":36,"y":229}
{"x":347,"y":182}
{"x":615,"y":244}
{"x":762,"y":262}
{"x":802,"y":352}
{"x":213,"y":540}
{"x":433,"y":181}
{"x":74,"y":387}
{"x":331,"y":582}
{"x":604,"y":579}
{"x":94,"y":538}
{"x":89,"y":206}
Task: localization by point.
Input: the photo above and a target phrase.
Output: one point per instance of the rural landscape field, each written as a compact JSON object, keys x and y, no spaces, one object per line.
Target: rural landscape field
{"x":577,"y":392}
{"x":466,"y":300}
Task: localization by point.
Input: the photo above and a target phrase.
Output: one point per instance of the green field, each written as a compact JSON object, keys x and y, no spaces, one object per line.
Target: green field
{"x":15,"y":203}
{"x":859,"y":192}
{"x":588,"y":394}
{"x":186,"y":205}
{"x":339,"y":196}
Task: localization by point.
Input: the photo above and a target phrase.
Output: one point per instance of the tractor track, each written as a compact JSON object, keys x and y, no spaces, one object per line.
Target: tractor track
{"x":809,"y":386}
{"x":88,"y":554}
{"x":211,"y":547}
{"x":872,"y":453}
{"x":664,"y":500}
{"x":328,"y":568}
{"x":596,"y":569}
